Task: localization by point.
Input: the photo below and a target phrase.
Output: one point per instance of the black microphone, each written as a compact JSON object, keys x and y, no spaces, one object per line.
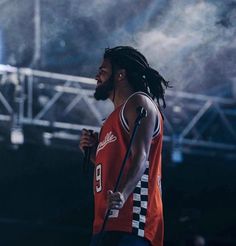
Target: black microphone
{"x":87,"y":152}
{"x":141,"y":111}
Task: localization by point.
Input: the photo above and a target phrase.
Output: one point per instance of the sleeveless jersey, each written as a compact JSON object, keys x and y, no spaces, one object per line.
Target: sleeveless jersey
{"x":142,"y":213}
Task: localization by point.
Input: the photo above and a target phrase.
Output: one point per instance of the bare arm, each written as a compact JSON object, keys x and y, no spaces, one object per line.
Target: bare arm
{"x":140,"y":148}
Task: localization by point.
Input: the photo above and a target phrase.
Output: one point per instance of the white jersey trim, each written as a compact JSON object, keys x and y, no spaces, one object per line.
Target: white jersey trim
{"x":124,"y":122}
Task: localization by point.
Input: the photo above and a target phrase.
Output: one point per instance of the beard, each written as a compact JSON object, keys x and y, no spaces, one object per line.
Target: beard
{"x":102,"y":91}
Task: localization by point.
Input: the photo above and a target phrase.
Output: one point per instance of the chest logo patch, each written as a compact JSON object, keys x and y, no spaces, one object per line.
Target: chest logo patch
{"x":109,"y":138}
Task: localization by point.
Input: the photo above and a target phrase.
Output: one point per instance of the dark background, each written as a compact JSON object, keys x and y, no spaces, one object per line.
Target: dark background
{"x":46,"y":198}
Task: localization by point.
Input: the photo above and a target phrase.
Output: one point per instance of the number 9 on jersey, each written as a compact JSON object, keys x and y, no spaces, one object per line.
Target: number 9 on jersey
{"x":98,"y":176}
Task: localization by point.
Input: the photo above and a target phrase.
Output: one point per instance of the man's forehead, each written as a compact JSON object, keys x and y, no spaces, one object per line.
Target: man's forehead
{"x":105,"y":64}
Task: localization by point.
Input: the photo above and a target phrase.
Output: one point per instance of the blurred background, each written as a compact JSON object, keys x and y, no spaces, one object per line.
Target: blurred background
{"x":49,"y":55}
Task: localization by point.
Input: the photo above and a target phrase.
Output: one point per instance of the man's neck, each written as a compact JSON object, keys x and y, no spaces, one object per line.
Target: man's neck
{"x":120,"y":94}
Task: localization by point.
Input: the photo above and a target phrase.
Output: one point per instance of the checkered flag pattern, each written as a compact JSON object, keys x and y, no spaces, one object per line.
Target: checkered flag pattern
{"x":140,"y":200}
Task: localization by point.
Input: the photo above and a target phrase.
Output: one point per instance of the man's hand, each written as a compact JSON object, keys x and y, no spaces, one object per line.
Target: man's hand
{"x":115,"y":200}
{"x":89,"y":140}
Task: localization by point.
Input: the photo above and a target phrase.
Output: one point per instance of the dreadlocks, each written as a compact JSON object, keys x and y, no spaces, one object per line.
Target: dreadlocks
{"x":139,"y":74}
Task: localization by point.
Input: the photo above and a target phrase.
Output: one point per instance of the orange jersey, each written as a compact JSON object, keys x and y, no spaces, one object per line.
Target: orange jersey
{"x":142,"y":213}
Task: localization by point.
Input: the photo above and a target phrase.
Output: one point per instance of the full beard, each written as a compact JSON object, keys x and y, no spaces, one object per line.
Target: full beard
{"x":103,"y":90}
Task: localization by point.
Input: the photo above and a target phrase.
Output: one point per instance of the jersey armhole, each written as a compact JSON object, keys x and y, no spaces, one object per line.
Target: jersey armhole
{"x":123,"y":120}
{"x":125,"y":123}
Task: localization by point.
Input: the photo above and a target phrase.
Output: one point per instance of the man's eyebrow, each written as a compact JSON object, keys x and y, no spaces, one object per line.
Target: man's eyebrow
{"x":101,"y":67}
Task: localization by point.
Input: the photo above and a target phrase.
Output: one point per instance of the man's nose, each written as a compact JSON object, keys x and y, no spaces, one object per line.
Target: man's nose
{"x":97,"y":76}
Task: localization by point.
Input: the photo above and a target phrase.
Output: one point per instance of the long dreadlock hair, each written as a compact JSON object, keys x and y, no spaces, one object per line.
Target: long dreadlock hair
{"x":139,"y":74}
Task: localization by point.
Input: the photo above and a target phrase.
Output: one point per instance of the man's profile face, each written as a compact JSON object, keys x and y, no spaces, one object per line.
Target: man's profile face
{"x":105,"y":83}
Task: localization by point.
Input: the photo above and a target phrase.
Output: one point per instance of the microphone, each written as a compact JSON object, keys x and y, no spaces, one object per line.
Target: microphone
{"x":87,"y":152}
{"x":141,"y":111}
{"x":86,"y":159}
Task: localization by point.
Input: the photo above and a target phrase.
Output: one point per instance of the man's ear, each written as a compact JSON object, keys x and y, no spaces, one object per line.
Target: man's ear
{"x":121,"y":74}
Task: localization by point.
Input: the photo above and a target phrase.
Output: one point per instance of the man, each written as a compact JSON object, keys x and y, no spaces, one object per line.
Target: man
{"x":136,"y":217}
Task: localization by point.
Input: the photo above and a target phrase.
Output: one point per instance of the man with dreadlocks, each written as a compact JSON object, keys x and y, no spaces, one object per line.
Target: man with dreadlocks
{"x":136,"y":217}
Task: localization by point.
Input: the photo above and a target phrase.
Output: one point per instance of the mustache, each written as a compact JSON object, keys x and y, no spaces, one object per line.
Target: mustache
{"x":103,"y":90}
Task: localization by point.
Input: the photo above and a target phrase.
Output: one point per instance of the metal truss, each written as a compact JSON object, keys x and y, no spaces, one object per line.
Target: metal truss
{"x":50,"y":106}
{"x":201,"y":124}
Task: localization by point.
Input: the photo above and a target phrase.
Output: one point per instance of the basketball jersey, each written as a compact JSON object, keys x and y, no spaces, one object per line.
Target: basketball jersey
{"x":142,"y":213}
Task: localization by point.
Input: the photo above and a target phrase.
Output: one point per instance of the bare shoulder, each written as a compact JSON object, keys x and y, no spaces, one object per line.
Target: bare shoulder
{"x":140,"y":100}
{"x":136,"y":101}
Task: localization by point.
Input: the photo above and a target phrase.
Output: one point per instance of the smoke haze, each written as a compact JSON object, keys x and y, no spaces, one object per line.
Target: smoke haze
{"x":192,"y":43}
